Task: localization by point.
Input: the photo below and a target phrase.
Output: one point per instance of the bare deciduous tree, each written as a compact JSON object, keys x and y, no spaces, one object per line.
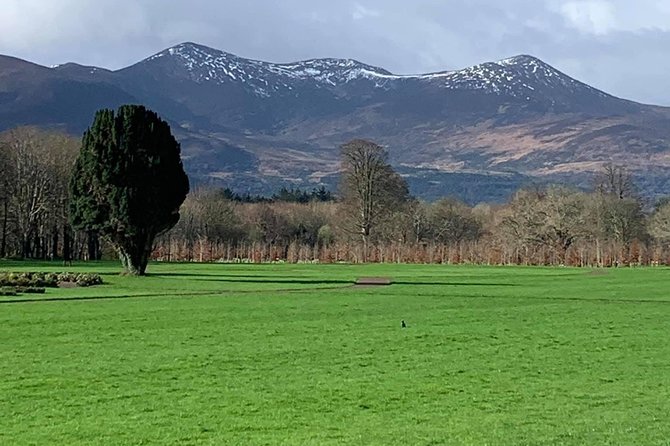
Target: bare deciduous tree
{"x":616,"y":181}
{"x":553,"y":218}
{"x":453,"y":221}
{"x":37,"y":167}
{"x":370,"y":189}
{"x":6,"y":193}
{"x":659,"y":223}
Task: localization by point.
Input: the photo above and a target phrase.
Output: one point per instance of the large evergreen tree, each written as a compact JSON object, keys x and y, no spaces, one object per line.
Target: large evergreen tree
{"x":128,"y":182}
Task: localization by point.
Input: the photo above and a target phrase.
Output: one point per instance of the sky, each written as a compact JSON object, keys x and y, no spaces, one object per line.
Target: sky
{"x":619,"y":46}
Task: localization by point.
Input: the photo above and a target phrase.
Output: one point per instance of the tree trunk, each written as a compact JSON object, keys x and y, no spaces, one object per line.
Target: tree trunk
{"x":54,"y":243}
{"x":25,"y":246}
{"x":134,"y":264}
{"x":365,"y":248}
{"x":135,"y":255}
{"x":93,"y":246}
{"x":67,"y":248}
{"x":36,"y":252}
{"x":3,"y":246}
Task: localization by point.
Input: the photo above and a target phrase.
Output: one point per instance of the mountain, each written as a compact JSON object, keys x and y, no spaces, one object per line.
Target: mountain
{"x":36,"y":95}
{"x":252,"y":125}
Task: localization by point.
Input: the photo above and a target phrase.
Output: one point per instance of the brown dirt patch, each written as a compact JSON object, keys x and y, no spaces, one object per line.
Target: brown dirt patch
{"x":373,"y":281}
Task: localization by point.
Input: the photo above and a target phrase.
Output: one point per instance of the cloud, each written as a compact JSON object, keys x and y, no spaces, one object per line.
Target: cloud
{"x":361,"y":12}
{"x":595,"y":16}
{"x":616,"y":45}
{"x":601,"y":17}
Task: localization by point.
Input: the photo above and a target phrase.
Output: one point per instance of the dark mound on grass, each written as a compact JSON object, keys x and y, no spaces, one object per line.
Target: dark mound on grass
{"x":373,"y":281}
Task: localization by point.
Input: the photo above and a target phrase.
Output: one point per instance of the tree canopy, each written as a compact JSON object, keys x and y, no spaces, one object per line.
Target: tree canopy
{"x":371,"y":190}
{"x":128,"y":182}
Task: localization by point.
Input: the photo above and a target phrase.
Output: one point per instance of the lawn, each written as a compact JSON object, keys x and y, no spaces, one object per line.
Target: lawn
{"x":222,"y":354}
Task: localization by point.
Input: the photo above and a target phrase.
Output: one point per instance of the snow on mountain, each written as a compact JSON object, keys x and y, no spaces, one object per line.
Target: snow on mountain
{"x":519,"y":76}
{"x":261,"y":125}
{"x":332,"y":71}
{"x":205,"y":64}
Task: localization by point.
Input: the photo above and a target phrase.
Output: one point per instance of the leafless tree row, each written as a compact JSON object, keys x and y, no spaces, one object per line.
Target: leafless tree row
{"x":374,"y":220}
{"x":553,"y":226}
{"x":35,"y":168}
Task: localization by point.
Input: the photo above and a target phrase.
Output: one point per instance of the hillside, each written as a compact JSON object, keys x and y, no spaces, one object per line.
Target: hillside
{"x":478,"y":133}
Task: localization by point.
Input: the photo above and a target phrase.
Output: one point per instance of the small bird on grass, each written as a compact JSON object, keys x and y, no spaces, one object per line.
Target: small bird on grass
{"x":403,"y":324}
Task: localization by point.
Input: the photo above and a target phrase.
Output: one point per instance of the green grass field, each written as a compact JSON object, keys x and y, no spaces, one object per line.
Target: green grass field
{"x":294,"y":355}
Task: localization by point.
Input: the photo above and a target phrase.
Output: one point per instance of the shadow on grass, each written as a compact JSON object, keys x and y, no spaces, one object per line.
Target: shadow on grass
{"x":347,"y":286}
{"x":404,"y":282}
{"x":225,"y":276}
{"x":341,"y":285}
{"x":172,"y":294}
{"x":273,"y":279}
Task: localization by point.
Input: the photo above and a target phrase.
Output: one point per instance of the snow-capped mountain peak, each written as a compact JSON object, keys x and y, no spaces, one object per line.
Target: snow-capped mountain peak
{"x":332,"y":71}
{"x":203,"y":64}
{"x":522,"y":77}
{"x":521,"y":59}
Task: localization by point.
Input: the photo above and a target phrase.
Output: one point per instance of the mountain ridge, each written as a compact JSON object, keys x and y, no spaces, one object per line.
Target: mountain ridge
{"x":254,"y":125}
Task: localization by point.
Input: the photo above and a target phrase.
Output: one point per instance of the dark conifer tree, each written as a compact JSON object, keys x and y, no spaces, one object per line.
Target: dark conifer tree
{"x":128,"y":182}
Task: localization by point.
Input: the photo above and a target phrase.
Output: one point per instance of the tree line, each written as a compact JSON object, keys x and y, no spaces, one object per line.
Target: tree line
{"x":35,"y":168}
{"x":372,"y":217}
{"x":123,"y":184}
{"x":376,"y":219}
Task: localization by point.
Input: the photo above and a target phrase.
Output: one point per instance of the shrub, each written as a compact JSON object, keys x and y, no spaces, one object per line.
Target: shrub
{"x":27,"y":279}
{"x":47,"y":280}
{"x":8,"y":291}
{"x":80,"y":279}
{"x":30,"y":290}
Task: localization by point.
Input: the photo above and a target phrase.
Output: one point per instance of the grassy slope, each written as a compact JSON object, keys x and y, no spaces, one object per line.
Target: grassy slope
{"x":491,"y":356}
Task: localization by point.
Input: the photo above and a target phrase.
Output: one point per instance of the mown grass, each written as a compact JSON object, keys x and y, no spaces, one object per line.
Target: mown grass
{"x":294,"y":355}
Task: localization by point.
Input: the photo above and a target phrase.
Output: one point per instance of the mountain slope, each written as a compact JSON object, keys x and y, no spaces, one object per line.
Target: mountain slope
{"x":255,"y":125}
{"x":34,"y":95}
